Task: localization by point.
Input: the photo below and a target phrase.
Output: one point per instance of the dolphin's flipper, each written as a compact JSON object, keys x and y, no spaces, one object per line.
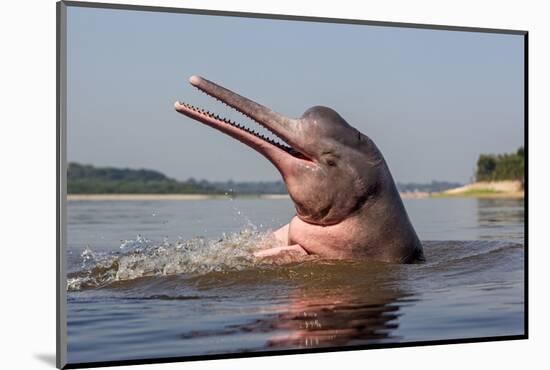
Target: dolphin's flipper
{"x":282,"y":250}
{"x":281,"y":235}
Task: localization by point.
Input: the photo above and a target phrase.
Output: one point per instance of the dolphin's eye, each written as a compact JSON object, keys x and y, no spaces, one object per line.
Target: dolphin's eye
{"x":330,"y":158}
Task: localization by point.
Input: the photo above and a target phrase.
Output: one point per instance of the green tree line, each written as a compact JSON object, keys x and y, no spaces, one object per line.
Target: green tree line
{"x":86,"y":179}
{"x":509,"y":166}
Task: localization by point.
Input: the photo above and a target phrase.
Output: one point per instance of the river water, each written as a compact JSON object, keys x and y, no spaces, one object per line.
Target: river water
{"x":154,"y":279}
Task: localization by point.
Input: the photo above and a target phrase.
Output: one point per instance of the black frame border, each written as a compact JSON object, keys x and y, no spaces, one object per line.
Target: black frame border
{"x":61,"y":23}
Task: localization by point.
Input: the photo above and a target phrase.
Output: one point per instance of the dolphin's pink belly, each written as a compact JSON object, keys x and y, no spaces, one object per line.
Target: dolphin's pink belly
{"x":335,"y":241}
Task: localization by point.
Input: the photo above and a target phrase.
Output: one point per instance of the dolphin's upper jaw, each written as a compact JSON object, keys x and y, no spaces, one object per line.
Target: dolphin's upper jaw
{"x":279,"y":154}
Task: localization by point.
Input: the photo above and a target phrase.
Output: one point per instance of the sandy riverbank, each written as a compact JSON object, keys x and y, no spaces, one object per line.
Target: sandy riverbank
{"x":486,"y":189}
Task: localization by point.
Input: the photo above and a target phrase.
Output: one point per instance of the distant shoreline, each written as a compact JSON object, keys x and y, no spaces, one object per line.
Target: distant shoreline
{"x":464,"y":193}
{"x":144,"y":197}
{"x":496,"y":195}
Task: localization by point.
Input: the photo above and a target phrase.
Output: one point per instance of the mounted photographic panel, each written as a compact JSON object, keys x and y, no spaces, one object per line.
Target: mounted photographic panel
{"x":235,"y":184}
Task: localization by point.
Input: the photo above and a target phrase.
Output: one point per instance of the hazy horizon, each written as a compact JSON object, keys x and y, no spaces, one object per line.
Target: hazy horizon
{"x":431,"y":100}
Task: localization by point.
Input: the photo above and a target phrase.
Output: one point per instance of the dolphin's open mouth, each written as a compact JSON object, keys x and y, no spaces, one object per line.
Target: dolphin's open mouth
{"x":201,"y":114}
{"x":278,"y":125}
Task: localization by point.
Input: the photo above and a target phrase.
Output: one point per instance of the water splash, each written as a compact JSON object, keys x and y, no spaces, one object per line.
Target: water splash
{"x":88,"y":257}
{"x":142,"y":257}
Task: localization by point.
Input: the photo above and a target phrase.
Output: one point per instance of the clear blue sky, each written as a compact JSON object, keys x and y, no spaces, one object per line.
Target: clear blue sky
{"x":431,"y":100}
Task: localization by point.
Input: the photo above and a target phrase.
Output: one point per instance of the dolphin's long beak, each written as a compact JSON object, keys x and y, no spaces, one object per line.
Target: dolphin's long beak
{"x":273,"y":121}
{"x":283,"y":127}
